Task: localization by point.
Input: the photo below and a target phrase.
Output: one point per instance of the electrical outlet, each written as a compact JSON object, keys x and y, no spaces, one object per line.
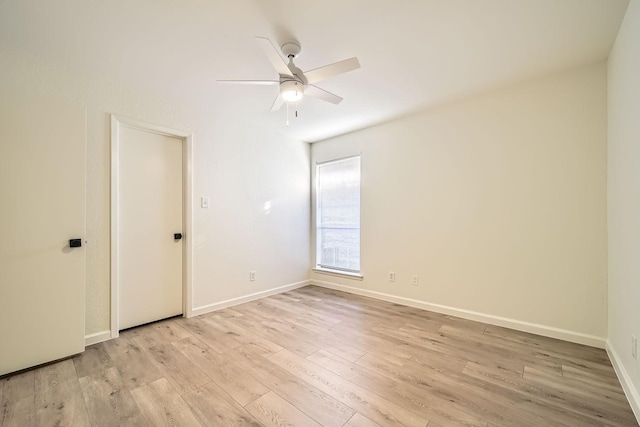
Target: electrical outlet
{"x":252,"y":276}
{"x":414,"y":280}
{"x":391,"y":276}
{"x":634,"y":347}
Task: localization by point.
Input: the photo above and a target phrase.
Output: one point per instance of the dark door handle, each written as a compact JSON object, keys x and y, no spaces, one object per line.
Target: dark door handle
{"x":177,"y":236}
{"x":75,"y":243}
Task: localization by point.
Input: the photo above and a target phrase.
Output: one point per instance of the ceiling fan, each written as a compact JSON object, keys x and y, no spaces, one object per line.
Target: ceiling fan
{"x":294,"y":83}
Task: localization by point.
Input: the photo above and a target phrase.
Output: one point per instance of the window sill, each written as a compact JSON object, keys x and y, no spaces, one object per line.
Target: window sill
{"x":338,"y":273}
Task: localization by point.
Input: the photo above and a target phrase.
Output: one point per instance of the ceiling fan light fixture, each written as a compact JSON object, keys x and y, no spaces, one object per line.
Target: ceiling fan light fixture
{"x":291,"y":90}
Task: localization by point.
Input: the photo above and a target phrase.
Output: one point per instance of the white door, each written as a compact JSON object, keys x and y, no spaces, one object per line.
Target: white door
{"x":42,"y":207}
{"x":149,"y":215}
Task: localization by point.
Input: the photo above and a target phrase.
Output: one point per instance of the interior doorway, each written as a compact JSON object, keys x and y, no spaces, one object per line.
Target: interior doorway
{"x":150,"y":223}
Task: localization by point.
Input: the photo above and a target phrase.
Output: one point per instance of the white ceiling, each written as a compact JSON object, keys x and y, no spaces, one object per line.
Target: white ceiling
{"x":415,"y":54}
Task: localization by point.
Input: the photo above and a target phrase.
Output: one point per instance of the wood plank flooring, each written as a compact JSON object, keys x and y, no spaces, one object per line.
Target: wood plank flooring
{"x":318,"y":357}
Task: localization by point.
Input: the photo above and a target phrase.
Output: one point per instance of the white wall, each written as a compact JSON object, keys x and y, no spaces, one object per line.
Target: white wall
{"x":624,"y":201}
{"x":497,"y":203}
{"x":238,"y":167}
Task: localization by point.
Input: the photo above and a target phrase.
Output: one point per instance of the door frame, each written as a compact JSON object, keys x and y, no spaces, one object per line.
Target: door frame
{"x":118,"y":122}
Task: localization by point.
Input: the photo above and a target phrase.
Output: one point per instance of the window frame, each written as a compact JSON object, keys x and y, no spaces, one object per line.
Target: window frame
{"x":324,"y":269}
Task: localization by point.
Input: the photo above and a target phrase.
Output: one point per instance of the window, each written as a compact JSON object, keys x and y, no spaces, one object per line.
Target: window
{"x":338,"y":215}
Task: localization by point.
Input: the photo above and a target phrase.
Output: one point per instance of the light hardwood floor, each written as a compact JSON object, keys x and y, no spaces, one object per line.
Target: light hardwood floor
{"x":317,"y":357}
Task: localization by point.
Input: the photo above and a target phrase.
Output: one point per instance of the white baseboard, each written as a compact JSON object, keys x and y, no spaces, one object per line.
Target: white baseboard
{"x":547,"y":331}
{"x":106,"y":335}
{"x":633,"y":396}
{"x":96,"y":338}
{"x":246,"y":298}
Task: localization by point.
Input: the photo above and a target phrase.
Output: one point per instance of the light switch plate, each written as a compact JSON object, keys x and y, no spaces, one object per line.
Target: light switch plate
{"x":204,"y":202}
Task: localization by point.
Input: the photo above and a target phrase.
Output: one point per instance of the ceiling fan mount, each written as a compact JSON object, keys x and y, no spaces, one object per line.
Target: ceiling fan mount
{"x":291,"y":49}
{"x":293,"y":82}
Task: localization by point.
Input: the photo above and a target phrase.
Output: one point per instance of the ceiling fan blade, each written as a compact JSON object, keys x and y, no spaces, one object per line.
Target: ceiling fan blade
{"x":277,"y":103}
{"x":249,"y":82}
{"x":274,"y":57}
{"x":327,"y":71}
{"x":322,"y":94}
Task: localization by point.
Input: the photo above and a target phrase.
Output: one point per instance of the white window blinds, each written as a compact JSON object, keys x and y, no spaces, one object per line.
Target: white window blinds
{"x":338,"y":214}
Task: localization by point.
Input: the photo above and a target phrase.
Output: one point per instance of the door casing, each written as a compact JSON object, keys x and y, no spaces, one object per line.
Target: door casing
{"x":187,"y":148}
